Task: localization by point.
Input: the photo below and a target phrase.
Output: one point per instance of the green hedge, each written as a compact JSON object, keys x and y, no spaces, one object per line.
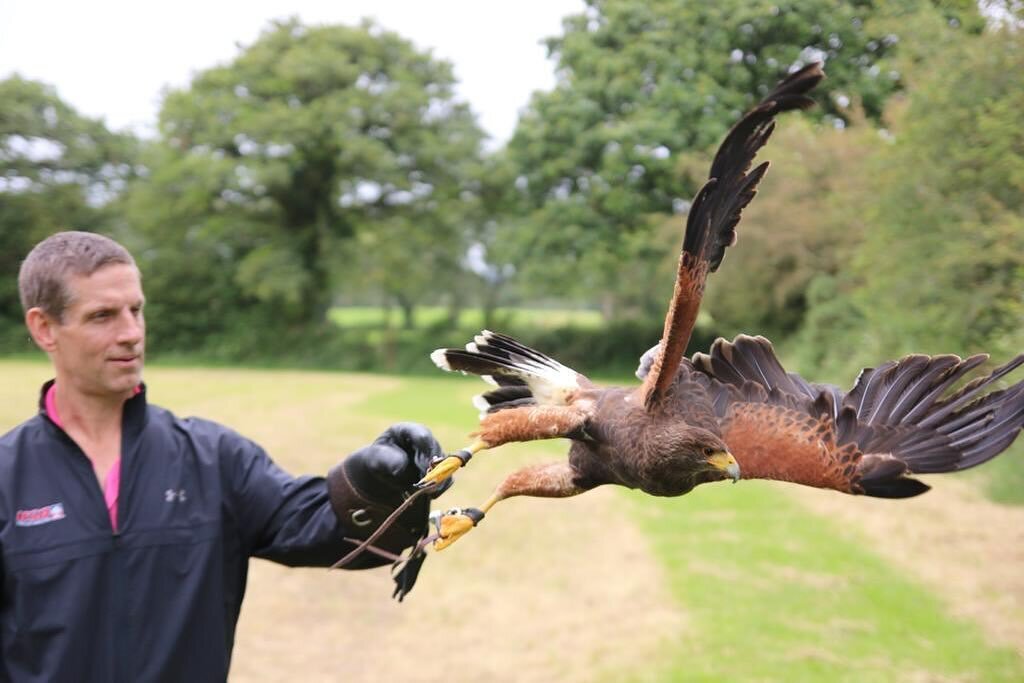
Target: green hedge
{"x":613,"y":350}
{"x":256,"y":341}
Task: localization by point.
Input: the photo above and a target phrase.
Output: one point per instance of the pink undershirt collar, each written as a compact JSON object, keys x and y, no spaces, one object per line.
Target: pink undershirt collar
{"x":112,"y":482}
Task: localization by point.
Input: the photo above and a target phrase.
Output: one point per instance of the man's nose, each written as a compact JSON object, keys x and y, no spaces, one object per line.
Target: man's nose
{"x":130,"y":328}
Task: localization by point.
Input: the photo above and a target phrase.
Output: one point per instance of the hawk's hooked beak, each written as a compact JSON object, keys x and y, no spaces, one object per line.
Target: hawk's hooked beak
{"x":723,"y":460}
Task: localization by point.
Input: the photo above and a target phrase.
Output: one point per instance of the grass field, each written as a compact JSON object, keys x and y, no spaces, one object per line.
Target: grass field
{"x":428,"y":316}
{"x":753,"y":582}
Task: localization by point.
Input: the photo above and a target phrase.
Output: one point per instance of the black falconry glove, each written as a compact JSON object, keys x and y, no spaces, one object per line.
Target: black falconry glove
{"x":371,"y":483}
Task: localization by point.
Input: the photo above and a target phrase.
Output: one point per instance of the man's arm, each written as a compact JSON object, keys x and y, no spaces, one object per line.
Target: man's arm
{"x":304,"y":521}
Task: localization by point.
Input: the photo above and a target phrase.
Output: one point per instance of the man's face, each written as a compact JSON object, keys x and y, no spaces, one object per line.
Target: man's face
{"x":99,"y":346}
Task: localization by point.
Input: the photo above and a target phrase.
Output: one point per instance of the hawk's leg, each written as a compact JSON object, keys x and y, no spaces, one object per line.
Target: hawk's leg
{"x":551,"y":480}
{"x":528,"y":423}
{"x":449,"y":465}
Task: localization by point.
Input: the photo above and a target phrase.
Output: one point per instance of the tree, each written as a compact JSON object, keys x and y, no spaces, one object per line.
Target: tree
{"x":641,"y":83}
{"x":800,"y":229}
{"x":311,"y":138}
{"x":942,"y":267}
{"x":59,"y":170}
{"x":933,"y":254}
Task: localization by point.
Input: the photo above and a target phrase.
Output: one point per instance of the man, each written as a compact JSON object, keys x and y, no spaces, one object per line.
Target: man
{"x":125,"y":532}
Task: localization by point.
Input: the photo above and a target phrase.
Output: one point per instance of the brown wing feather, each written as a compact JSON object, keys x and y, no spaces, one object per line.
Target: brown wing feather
{"x":898,"y":420}
{"x":712,"y":220}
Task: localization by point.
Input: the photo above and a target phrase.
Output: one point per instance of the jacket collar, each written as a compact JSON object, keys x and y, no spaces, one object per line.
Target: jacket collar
{"x":133,"y":419}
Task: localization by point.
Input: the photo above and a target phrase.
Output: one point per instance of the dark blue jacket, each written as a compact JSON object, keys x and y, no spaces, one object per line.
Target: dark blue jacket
{"x":159,"y":599}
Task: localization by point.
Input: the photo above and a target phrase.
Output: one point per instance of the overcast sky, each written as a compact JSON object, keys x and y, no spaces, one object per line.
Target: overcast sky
{"x":113,"y":58}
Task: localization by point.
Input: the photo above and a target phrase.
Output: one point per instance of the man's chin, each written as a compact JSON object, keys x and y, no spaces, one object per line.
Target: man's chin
{"x":126,"y":382}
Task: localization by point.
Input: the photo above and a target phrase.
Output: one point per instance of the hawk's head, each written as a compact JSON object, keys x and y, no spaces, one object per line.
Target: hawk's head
{"x":687,"y":456}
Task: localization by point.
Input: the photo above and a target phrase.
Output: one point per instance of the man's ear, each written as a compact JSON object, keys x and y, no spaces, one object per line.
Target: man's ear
{"x":40,"y":326}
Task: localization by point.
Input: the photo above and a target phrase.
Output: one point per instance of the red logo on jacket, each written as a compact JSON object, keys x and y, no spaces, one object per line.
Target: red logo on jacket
{"x":43,"y":515}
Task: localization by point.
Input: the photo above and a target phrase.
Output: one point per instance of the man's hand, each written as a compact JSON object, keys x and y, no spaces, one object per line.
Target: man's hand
{"x":372,"y":482}
{"x":390,"y":466}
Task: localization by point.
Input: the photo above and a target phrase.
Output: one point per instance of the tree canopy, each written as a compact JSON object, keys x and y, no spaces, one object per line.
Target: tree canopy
{"x":947,"y":234}
{"x":335,"y":163}
{"x":58,"y":170}
{"x":641,"y":84}
{"x":313,"y":139}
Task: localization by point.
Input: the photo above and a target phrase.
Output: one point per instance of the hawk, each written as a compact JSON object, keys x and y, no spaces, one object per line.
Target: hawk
{"x":734,"y":411}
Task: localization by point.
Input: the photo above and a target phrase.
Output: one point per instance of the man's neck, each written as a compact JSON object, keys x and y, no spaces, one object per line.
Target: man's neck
{"x":96,"y":418}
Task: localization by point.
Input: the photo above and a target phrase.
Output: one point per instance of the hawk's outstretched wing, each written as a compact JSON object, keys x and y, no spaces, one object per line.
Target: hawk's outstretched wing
{"x":899,"y":419}
{"x":713,"y":216}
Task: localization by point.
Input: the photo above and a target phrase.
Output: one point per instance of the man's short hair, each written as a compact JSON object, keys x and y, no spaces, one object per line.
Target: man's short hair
{"x":45,"y":272}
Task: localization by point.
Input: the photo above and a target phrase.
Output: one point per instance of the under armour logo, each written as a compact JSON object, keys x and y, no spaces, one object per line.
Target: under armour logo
{"x":171,"y":496}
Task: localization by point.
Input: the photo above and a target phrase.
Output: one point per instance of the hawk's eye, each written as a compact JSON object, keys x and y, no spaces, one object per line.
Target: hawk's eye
{"x":709,"y":451}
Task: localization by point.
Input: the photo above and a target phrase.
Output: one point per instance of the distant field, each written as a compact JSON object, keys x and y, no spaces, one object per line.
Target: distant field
{"x":730,"y":583}
{"x":426,"y":316}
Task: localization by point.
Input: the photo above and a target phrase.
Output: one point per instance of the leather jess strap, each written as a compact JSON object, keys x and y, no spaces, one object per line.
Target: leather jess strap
{"x":367,"y":545}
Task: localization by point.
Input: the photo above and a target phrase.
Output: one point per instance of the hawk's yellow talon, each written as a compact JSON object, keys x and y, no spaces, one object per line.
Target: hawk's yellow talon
{"x":442,"y":470}
{"x":456,"y":524}
{"x":447,"y":467}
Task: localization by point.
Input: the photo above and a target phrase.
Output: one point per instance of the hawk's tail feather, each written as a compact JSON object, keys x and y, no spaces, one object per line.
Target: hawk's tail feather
{"x":523,"y":375}
{"x":502,"y":344}
{"x":494,"y":369}
{"x":504,"y":397}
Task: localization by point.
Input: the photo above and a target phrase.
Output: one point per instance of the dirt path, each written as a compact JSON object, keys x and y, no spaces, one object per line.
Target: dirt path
{"x":550,"y":613}
{"x":967,"y":549}
{"x":553,"y":612}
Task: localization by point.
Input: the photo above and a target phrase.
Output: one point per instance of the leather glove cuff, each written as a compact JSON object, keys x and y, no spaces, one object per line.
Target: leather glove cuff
{"x":360,"y":515}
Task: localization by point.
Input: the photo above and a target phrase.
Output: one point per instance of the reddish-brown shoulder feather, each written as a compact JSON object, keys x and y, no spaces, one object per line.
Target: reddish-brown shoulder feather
{"x":774,"y":442}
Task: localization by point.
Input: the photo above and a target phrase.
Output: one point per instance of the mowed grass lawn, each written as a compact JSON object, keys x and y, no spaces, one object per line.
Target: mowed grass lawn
{"x":747,"y":583}
{"x":427,"y":316}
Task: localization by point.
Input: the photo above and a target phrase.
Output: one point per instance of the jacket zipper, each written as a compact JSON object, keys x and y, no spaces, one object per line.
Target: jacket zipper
{"x":115,"y":605}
